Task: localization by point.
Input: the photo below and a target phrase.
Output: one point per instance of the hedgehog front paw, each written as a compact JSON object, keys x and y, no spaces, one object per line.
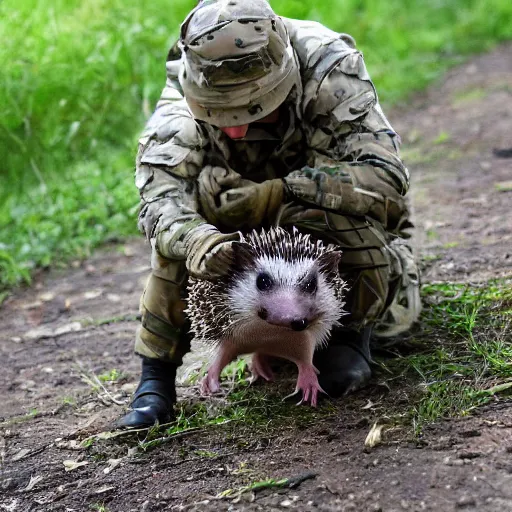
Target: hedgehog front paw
{"x":209,"y":385}
{"x":260,"y":367}
{"x":307,"y":383}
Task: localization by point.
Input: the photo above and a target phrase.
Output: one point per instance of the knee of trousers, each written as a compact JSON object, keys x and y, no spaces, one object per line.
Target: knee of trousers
{"x":164,"y":330}
{"x":367,"y":296}
{"x":364,"y":264}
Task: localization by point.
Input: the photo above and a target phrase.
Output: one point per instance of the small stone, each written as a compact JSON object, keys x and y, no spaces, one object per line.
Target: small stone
{"x":466,"y":501}
{"x":285,"y":503}
{"x":27,"y":385}
{"x":404,"y":504}
{"x":92,"y":294}
{"x":394,"y":483}
{"x":469,"y":455}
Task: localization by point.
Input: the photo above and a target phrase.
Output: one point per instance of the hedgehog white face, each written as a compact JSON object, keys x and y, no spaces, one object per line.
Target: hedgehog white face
{"x":294,"y":295}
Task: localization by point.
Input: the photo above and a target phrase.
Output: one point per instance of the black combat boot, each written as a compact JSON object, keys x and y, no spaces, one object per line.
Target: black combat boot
{"x":154,"y":398}
{"x":344,"y":365}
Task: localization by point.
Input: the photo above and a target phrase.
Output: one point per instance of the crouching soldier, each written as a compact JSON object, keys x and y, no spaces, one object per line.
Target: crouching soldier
{"x":263,"y":120}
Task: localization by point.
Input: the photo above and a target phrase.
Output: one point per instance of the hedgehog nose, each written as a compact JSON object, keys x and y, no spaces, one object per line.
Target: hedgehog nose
{"x":299,"y":325}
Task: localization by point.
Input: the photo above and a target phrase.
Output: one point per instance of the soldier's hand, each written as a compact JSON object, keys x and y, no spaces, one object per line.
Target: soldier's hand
{"x":233,"y":203}
{"x":210,"y":252}
{"x":318,"y":187}
{"x":251,"y":205}
{"x":212,"y":181}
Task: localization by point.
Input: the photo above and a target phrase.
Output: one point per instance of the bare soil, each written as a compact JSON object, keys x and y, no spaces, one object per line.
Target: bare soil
{"x":78,"y":323}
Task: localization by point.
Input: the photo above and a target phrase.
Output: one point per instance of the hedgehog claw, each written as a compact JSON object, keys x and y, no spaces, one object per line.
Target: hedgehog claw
{"x":291,"y":395}
{"x":307,"y":382}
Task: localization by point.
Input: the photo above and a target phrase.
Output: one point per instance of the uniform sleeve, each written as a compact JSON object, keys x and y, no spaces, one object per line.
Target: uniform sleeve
{"x":170,"y":157}
{"x":350,"y":138}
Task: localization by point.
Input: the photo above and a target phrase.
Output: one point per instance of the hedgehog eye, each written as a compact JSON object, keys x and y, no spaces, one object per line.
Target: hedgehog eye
{"x":264,"y":282}
{"x":310,"y":284}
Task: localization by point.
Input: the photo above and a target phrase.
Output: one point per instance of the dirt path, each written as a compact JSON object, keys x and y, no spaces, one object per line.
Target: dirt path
{"x":73,"y":326}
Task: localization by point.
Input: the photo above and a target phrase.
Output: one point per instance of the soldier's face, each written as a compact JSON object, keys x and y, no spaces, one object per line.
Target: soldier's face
{"x":239,"y":132}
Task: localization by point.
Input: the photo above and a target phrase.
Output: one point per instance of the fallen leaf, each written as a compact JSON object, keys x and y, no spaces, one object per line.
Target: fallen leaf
{"x":503,"y":186}
{"x":103,"y":489}
{"x":112,"y":464}
{"x":32,"y":305}
{"x":47,"y":332}
{"x":374,"y":437}
{"x":93,"y":294}
{"x":21,"y":454}
{"x":33,"y":481}
{"x":498,"y":388}
{"x":47,"y":297}
{"x":369,"y":405}
{"x":69,"y":445}
{"x":70,"y":465}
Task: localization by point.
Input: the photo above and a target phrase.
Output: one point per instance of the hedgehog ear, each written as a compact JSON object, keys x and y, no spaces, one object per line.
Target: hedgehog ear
{"x":329,"y":262}
{"x":243,"y":255}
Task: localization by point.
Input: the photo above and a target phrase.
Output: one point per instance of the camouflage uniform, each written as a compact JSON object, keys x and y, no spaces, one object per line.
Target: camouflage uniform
{"x":329,"y":166}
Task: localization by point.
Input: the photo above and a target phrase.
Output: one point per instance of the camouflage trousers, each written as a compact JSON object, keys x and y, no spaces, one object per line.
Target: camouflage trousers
{"x":381,"y":272}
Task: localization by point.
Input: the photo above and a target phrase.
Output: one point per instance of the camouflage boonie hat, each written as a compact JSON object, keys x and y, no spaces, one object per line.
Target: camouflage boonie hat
{"x":238,"y":64}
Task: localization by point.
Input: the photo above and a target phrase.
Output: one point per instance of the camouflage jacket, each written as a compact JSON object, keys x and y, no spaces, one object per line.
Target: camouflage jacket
{"x":335,"y":121}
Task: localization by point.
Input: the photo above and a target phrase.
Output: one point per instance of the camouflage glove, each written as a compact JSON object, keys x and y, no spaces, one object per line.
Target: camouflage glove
{"x":233,"y":203}
{"x":209,"y":252}
{"x":328,"y":189}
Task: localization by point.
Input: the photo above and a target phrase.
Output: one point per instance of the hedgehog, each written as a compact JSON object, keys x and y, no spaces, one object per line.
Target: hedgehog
{"x":281,"y":299}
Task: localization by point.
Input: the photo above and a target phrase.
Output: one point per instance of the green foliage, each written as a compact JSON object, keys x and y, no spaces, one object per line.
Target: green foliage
{"x":111,"y":376}
{"x":78,"y":79}
{"x":63,"y":219}
{"x":99,"y":507}
{"x":467,"y":358}
{"x":252,"y":410}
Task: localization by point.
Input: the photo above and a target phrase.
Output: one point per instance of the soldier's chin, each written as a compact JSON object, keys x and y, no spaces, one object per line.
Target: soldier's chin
{"x":235,"y":132}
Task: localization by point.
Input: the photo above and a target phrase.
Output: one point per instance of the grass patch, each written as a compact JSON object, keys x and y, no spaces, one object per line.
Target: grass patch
{"x":112,"y":376}
{"x":99,"y":507}
{"x":442,"y":138}
{"x":466,"y":354}
{"x":468,"y":96}
{"x":251,"y":411}
{"x":64,"y":219}
{"x":80,"y":79}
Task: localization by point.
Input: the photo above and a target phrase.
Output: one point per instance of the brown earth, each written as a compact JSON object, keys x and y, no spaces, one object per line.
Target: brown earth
{"x":76,"y":324}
